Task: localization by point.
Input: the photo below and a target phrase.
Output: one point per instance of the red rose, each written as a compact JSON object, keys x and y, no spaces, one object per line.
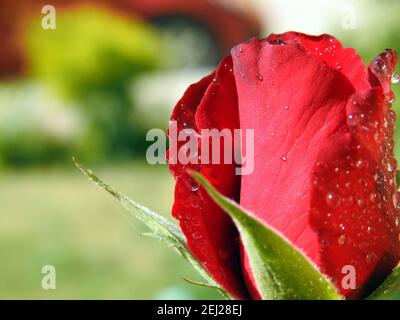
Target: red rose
{"x":324,"y":171}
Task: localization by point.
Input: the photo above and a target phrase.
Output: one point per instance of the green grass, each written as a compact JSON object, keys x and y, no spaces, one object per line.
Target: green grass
{"x":58,"y":217}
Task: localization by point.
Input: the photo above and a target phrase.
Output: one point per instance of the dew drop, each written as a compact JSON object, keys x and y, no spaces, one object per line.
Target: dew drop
{"x":378,"y":178}
{"x":332,"y":200}
{"x":378,"y":137}
{"x":279,"y":42}
{"x":195,"y":221}
{"x":197,"y":235}
{"x":379,"y":64}
{"x":284,"y":158}
{"x":391,"y":165}
{"x":179,"y":215}
{"x":259,"y":76}
{"x":370,"y":257}
{"x":361,"y":163}
{"x":338,"y":66}
{"x":396,"y":200}
{"x":324,"y":243}
{"x":392,"y":114}
{"x":342,"y":239}
{"x":395,"y":77}
{"x":352,"y":120}
{"x":390,"y":97}
{"x":373,"y":196}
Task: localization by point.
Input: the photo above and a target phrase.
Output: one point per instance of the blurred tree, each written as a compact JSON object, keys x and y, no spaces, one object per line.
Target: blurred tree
{"x":92,"y":58}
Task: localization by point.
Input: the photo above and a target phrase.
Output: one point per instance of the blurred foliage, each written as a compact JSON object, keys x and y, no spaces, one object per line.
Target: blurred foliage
{"x":91,"y":60}
{"x":57,"y":217}
{"x":36,"y":128}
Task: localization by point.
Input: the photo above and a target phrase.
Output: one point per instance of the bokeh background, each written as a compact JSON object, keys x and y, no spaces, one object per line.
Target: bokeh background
{"x":91,"y":88}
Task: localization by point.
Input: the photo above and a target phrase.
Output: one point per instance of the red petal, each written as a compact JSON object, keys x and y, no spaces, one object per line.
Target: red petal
{"x":297,"y":110}
{"x":381,"y":69}
{"x":248,"y":275}
{"x":328,"y":49}
{"x":353,"y":201}
{"x":210,"y":233}
{"x":357,"y":170}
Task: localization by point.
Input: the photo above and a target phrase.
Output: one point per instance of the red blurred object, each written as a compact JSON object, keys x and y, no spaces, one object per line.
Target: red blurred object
{"x":225,"y":25}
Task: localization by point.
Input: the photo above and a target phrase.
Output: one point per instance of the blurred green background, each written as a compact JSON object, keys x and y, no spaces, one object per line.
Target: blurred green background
{"x":92,"y":88}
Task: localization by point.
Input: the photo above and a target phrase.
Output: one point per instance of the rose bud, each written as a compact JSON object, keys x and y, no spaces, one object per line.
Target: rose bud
{"x":324,"y":170}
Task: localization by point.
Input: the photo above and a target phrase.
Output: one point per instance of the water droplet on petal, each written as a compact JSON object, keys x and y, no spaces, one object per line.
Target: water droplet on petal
{"x":370,"y":257}
{"x":396,"y":200}
{"x":379,"y":137}
{"x":332,"y":199}
{"x":338,"y":66}
{"x":373,"y":197}
{"x":395,"y":77}
{"x":352,"y":120}
{"x":197,"y":235}
{"x":279,"y":42}
{"x":379,"y":64}
{"x":342,"y":239}
{"x":390,"y":97}
{"x":391,"y":165}
{"x":361,"y":163}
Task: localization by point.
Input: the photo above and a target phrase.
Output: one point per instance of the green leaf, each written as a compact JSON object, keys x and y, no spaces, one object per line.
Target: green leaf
{"x":161,"y":228}
{"x":280,"y":270}
{"x":389,"y":289}
{"x":200,"y":284}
